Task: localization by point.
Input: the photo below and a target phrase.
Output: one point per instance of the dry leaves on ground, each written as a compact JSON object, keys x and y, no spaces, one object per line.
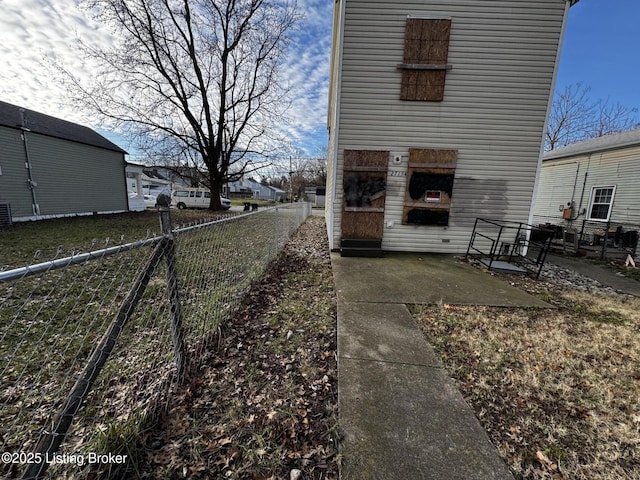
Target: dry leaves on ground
{"x":264,"y":400}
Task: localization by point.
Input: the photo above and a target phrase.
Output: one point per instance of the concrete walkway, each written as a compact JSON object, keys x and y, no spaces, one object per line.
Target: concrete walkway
{"x":401,"y":415}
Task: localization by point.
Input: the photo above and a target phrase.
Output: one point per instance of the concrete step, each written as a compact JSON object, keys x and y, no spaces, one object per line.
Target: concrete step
{"x":361,"y":247}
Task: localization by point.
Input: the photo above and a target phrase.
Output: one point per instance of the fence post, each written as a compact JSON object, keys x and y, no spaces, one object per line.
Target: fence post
{"x":275,"y":222}
{"x":172,"y":285}
{"x":603,"y":253}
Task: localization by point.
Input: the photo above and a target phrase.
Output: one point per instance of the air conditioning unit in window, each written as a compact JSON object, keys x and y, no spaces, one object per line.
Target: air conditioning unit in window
{"x":5,"y":214}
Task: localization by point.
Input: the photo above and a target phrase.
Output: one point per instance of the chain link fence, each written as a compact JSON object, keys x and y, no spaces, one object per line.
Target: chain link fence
{"x":93,"y":346}
{"x":595,"y":239}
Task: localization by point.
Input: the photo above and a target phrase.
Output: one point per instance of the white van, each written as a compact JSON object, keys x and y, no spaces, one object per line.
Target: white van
{"x":195,"y":198}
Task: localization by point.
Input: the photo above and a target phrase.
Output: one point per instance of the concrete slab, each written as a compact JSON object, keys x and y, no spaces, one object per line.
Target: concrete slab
{"x":502,"y":267}
{"x":401,"y":415}
{"x":410,"y":422}
{"x":423,"y":279}
{"x":384,"y":332}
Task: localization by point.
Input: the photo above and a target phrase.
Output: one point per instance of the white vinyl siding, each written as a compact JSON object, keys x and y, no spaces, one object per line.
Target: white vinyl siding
{"x":503,"y":55}
{"x":559,"y":184}
{"x":616,"y":167}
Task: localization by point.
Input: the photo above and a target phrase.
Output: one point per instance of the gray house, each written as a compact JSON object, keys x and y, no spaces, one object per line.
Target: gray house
{"x":436,"y":117}
{"x":52,"y":168}
{"x":249,"y":188}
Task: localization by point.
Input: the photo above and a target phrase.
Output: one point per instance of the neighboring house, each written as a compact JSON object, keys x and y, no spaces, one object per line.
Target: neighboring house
{"x":436,"y":117}
{"x":321,"y":195}
{"x":315,"y":195}
{"x":277,"y":195}
{"x":249,"y":188}
{"x":53,"y":168}
{"x":144,"y":184}
{"x":596,"y":181}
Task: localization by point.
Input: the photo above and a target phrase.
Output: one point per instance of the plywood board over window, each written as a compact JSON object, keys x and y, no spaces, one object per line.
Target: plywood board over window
{"x":429,"y":189}
{"x":364,"y":185}
{"x":426,"y":52}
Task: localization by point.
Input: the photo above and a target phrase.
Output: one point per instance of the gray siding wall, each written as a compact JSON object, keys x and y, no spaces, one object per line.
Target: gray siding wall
{"x":71,"y":177}
{"x":503,"y":56}
{"x":559,"y":178}
{"x":13,"y":181}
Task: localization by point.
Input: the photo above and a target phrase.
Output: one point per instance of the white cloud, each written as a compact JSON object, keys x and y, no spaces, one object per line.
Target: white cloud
{"x":33,"y":32}
{"x":308,"y":73}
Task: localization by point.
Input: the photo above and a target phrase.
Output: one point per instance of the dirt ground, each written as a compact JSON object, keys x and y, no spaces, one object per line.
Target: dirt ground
{"x":264,"y":400}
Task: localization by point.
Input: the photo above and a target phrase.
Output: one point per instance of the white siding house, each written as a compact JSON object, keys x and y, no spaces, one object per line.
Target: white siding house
{"x":436,"y":116}
{"x":595,"y":181}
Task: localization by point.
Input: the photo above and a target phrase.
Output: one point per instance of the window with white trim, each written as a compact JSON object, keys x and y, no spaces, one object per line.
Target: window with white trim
{"x":601,"y":203}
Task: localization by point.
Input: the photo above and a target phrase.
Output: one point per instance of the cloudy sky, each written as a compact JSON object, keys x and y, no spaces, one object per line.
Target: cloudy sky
{"x":601,"y":49}
{"x":33,"y":32}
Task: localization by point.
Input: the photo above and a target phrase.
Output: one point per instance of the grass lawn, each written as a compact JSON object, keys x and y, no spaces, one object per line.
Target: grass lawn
{"x":558,"y":390}
{"x":50,"y":323}
{"x":32,"y":242}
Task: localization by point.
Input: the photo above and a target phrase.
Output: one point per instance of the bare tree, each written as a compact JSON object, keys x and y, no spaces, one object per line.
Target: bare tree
{"x":296,"y":174}
{"x":197,"y":82}
{"x":613,"y":119}
{"x":575,"y":117}
{"x":316,"y":171}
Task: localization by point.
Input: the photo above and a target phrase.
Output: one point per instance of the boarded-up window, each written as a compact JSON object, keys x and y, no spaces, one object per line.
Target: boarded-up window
{"x":429,"y":189}
{"x":426,"y":51}
{"x":364,"y":183}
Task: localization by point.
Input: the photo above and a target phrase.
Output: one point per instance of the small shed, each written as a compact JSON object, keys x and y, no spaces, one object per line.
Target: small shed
{"x":52,"y":168}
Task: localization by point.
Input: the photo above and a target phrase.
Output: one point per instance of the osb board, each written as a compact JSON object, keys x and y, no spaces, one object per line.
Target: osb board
{"x":433,"y":170}
{"x":423,"y":85}
{"x":377,"y":199}
{"x":366,"y":158}
{"x":442,"y":158}
{"x":362,"y":225}
{"x":427,"y":41}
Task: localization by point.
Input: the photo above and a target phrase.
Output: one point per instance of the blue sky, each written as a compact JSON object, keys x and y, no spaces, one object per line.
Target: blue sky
{"x":601,"y":48}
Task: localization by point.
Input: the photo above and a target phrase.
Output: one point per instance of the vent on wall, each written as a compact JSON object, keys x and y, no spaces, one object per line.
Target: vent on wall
{"x":5,"y":214}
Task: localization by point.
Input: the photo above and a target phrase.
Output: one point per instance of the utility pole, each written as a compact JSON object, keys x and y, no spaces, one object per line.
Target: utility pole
{"x":290,"y":180}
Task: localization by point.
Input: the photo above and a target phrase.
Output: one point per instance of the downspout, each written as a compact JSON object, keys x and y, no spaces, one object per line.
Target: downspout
{"x":573,"y":194}
{"x":35,"y":208}
{"x":575,"y":184}
{"x":584,"y":185}
{"x":336,"y":127}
